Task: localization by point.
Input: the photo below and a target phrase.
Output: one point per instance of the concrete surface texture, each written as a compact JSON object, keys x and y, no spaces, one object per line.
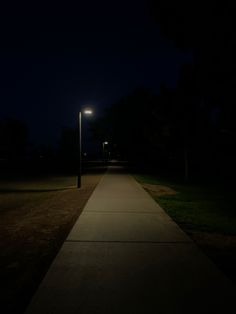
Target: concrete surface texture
{"x":125,"y":255}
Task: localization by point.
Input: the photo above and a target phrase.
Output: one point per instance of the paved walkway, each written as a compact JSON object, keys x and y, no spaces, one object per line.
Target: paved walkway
{"x":125,"y":255}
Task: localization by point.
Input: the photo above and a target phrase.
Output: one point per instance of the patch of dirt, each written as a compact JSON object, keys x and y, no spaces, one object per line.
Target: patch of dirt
{"x":30,"y":238}
{"x":158,"y":190}
{"x":221,"y":241}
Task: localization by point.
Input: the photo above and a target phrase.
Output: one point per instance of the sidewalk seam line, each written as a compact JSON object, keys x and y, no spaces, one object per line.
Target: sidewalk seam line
{"x":151,"y":242}
{"x":120,"y":212}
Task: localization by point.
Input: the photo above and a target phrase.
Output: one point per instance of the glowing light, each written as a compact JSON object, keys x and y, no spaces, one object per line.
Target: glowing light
{"x":106,"y":143}
{"x":88,"y":111}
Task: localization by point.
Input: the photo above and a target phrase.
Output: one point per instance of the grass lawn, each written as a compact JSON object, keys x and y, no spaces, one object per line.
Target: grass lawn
{"x":36,"y":215}
{"x":206,"y":212}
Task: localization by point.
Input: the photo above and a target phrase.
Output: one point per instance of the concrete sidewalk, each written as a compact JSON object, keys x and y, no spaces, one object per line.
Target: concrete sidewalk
{"x":125,"y":255}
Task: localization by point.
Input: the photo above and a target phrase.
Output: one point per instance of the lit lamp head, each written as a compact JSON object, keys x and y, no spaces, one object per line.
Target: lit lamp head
{"x":88,"y":111}
{"x":106,"y":143}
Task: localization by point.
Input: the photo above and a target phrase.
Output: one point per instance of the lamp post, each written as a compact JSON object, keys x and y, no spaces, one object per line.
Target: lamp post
{"x":103,"y":149}
{"x":86,"y":112}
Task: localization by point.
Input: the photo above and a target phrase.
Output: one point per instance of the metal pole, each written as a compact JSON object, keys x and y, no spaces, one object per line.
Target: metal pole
{"x":79,"y":152}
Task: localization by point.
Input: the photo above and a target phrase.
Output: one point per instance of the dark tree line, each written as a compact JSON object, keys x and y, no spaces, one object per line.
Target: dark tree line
{"x":14,"y":139}
{"x":18,"y":152}
{"x":179,"y":130}
{"x":207,"y":28}
{"x":192,"y":127}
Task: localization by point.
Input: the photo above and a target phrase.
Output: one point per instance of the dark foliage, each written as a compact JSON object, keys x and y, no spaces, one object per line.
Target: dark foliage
{"x":179,"y":130}
{"x":206,"y":90}
{"x":14,"y":139}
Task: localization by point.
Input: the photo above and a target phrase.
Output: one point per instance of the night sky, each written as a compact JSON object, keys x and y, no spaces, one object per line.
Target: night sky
{"x":55,"y":59}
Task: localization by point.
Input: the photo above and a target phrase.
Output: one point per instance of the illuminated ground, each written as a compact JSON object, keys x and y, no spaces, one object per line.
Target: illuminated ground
{"x":126,"y":255}
{"x":36,"y":215}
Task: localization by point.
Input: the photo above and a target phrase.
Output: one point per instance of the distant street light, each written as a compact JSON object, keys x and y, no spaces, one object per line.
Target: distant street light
{"x":86,"y":112}
{"x":103,"y":149}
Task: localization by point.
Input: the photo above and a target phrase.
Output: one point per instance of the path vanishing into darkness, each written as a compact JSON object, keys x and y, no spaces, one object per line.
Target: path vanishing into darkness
{"x":126,"y":255}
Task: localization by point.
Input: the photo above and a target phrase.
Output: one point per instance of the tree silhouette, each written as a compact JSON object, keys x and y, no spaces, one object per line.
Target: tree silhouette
{"x":206,"y":29}
{"x":14,"y":137}
{"x":138,"y":125}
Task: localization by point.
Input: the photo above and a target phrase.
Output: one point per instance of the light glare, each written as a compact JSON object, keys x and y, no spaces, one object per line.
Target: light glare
{"x":88,"y":111}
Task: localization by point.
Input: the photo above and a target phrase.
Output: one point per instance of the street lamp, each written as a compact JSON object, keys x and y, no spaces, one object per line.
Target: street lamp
{"x":103,"y":149}
{"x":87,"y":112}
